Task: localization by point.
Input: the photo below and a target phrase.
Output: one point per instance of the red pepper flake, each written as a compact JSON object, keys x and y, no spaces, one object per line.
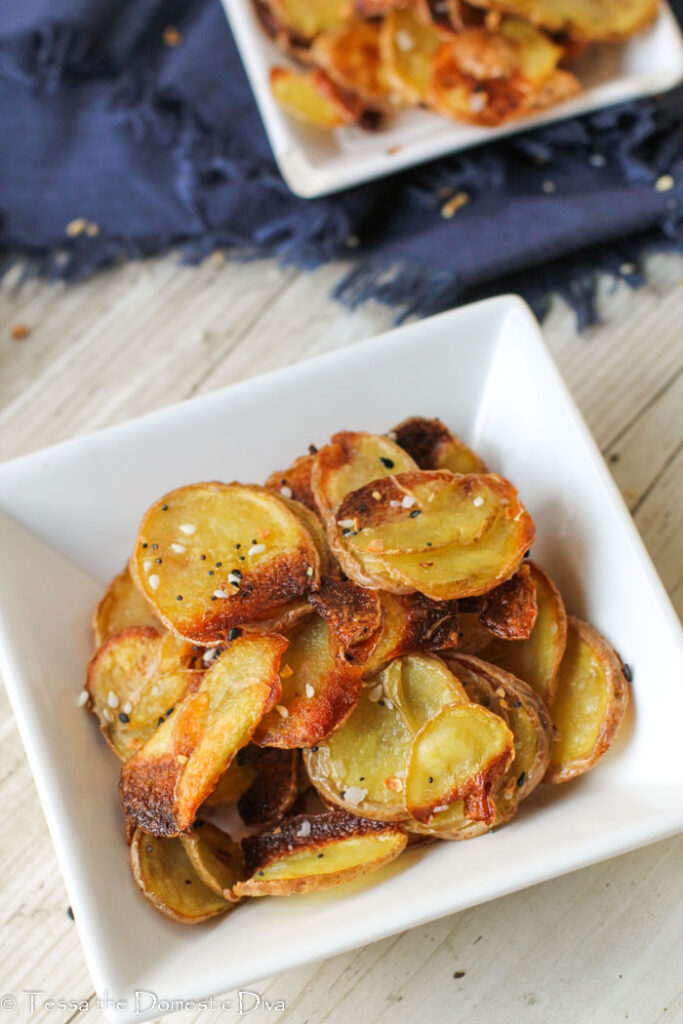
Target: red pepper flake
{"x":172,"y":36}
{"x":20,"y":331}
{"x":426,"y":565}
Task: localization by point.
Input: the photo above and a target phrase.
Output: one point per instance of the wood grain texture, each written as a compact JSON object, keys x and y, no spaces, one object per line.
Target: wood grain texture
{"x":603,"y":944}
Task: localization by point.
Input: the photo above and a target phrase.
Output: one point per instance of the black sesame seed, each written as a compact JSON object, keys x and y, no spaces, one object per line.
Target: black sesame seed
{"x":320,"y":855}
{"x":362,"y":778}
{"x":158,"y":561}
{"x":213,"y":597}
{"x":312,"y":450}
{"x":429,"y":543}
{"x":164,"y":508}
{"x":188,"y":882}
{"x":415,"y":513}
{"x":628,"y":673}
{"x":203,"y":558}
{"x":389,"y":463}
{"x":237,"y":572}
{"x":160,"y":721}
{"x":169,"y":712}
{"x":179,"y":597}
{"x":123,"y":717}
{"x":520,"y":780}
{"x":241,"y":558}
{"x":314,"y":749}
{"x":254,"y":541}
{"x":233,"y":633}
{"x":459,"y":974}
{"x":526,"y":554}
{"x":614,"y":457}
{"x":516,"y":703}
{"x":381,"y":703}
{"x":70,"y":913}
{"x":348,"y":656}
{"x":237,"y":547}
{"x":218,"y":565}
{"x":430,"y":779}
{"x":211,"y":572}
{"x":145,"y":544}
{"x":260,"y":872}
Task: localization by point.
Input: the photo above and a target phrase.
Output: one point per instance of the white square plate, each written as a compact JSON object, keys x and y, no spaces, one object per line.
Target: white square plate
{"x":314,"y":163}
{"x":68,"y":516}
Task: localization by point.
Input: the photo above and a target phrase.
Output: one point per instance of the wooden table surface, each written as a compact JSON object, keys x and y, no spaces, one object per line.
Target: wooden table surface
{"x":602,"y":945}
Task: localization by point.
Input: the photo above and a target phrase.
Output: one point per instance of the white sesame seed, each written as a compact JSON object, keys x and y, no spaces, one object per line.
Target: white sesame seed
{"x":346,"y":524}
{"x":597,"y":160}
{"x":440,"y":808}
{"x":376,"y":495}
{"x":389,"y":703}
{"x":187,"y":528}
{"x":309,"y":570}
{"x":256,"y":549}
{"x":153,"y":581}
{"x":181,"y":758}
{"x":478,"y":101}
{"x":354,"y":795}
{"x":286,"y":492}
{"x":127,"y":708}
{"x":478,"y":501}
{"x":392,"y":435}
{"x":147,"y":564}
{"x":220,"y":593}
{"x":209,"y":655}
{"x":82,"y":698}
{"x":310,"y":692}
{"x":549,"y":186}
{"x":234,"y":579}
{"x":112,"y":699}
{"x":282,"y":711}
{"x":305,"y":829}
{"x":404,"y":41}
{"x":107,"y":715}
{"x":408,"y":501}
{"x":394,"y":504}
{"x":178,"y":548}
{"x":664,"y":183}
{"x":375,"y":693}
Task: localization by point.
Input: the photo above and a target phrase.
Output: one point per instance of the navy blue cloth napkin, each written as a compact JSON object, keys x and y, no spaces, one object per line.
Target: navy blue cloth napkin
{"x":114,"y":143}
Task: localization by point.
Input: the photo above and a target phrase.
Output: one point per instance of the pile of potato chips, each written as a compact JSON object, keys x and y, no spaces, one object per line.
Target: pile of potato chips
{"x":354,"y":657}
{"x":484,"y":62}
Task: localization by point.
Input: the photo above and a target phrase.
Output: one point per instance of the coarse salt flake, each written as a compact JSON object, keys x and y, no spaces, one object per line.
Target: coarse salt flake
{"x":310,"y":692}
{"x":187,"y":528}
{"x":408,"y":501}
{"x":354,"y":795}
{"x":478,"y":501}
{"x":178,"y":548}
{"x":82,"y":698}
{"x":153,"y":581}
{"x":305,"y":829}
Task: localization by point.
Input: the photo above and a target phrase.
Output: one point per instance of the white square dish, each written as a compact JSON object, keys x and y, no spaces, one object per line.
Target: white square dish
{"x":315,"y":163}
{"x":68,"y":516}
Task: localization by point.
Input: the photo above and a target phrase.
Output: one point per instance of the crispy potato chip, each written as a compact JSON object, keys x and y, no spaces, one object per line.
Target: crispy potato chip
{"x":295,"y":482}
{"x":313,"y":98}
{"x":408,"y":47}
{"x":275,"y":785}
{"x":212,"y":556}
{"x":165,"y":782}
{"x":353,"y":613}
{"x":585,"y":20}
{"x":447,"y":536}
{"x":362,"y":766}
{"x":318,"y":852}
{"x":412,"y":621}
{"x":510,"y":609}
{"x":526,"y":715}
{"x":590,"y":703}
{"x":457,"y":755}
{"x":306,"y":20}
{"x":537,"y":659}
{"x":350,"y":461}
{"x":122,"y":605}
{"x":233,"y":783}
{"x":215,"y":857}
{"x":320,"y":689}
{"x":135,"y":680}
{"x":167,"y":878}
{"x":353,"y":59}
{"x":432,"y":445}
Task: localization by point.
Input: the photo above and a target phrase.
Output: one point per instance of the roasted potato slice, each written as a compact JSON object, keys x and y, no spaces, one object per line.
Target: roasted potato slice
{"x":212,"y":556}
{"x":457,"y":755}
{"x":167,"y":878}
{"x":590,"y":703}
{"x":312,"y":522}
{"x":412,"y":621}
{"x":313,"y":98}
{"x":432,"y":445}
{"x":584,"y":20}
{"x":526,"y":715}
{"x":280,"y":620}
{"x":318,"y":852}
{"x":408,"y":47}
{"x":510,"y":609}
{"x":352,"y":58}
{"x":353,"y":613}
{"x":165,"y":782}
{"x":537,"y":659}
{"x":295,"y":482}
{"x":233,"y":783}
{"x":362,"y":766}
{"x":351,"y":460}
{"x":274,"y":787}
{"x":320,"y":689}
{"x":447,"y":536}
{"x":305,"y":20}
{"x":135,"y":680}
{"x":215,"y":857}
{"x":122,"y":605}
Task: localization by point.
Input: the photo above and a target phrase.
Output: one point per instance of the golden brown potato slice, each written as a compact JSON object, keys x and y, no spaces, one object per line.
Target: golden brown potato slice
{"x":473,"y":636}
{"x":491,"y":78}
{"x":457,"y":755}
{"x":215,"y":857}
{"x":412,"y":621}
{"x":233,"y":783}
{"x":590,"y":703}
{"x":585,"y":20}
{"x":305,"y":20}
{"x":165,"y":782}
{"x":352,"y":58}
{"x":537,"y":659}
{"x":353,"y":613}
{"x":313,"y":98}
{"x":408,"y":47}
{"x":318,"y":852}
{"x":510,"y":609}
{"x":167,"y":878}
{"x":212,"y":556}
{"x":274,"y":787}
{"x":362,"y":766}
{"x":312,"y":522}
{"x":122,"y":605}
{"x":447,"y":536}
{"x":295,"y":482}
{"x":320,"y":689}
{"x":135,"y":680}
{"x":279,"y":620}
{"x":432,"y":445}
{"x":526,"y":715}
{"x":350,"y":461}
